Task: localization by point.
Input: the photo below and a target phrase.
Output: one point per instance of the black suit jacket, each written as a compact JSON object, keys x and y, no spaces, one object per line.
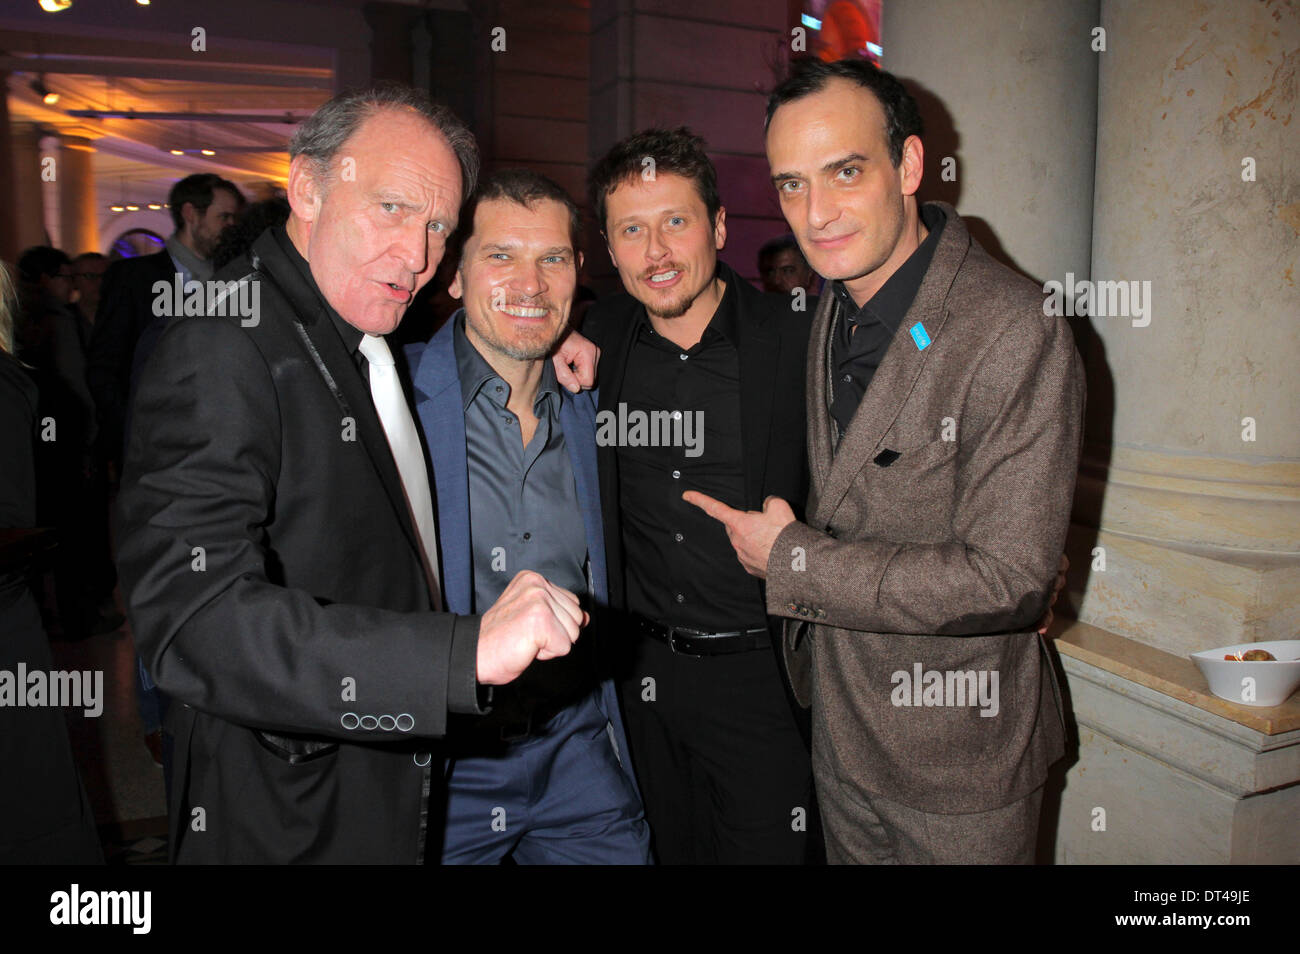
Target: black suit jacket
{"x":125,"y":310}
{"x":275,"y":589}
{"x":773,"y":357}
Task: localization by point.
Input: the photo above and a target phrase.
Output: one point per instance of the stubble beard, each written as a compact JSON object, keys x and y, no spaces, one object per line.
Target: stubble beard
{"x":676,"y":308}
{"x":530,"y":349}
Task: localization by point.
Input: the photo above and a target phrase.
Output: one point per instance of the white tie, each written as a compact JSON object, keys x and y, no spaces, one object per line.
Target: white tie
{"x":404,"y":442}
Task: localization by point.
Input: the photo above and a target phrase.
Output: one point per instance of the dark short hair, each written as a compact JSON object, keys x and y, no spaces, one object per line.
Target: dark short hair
{"x":325,"y":131}
{"x":256,"y":218}
{"x":808,"y":76}
{"x":90,"y":257}
{"x":677,"y":151}
{"x":522,"y":187}
{"x":41,"y":261}
{"x":197,"y":191}
{"x":780,"y":244}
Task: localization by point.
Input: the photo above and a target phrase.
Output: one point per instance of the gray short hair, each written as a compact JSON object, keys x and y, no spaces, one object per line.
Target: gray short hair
{"x":323,"y":134}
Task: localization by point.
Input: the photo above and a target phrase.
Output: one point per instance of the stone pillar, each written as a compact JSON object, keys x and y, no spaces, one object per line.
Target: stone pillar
{"x":678,"y":62}
{"x":78,"y":211}
{"x":1187,"y":521}
{"x":1008,"y":90}
{"x":1191,"y":482}
{"x":28,"y":207}
{"x":50,"y":147}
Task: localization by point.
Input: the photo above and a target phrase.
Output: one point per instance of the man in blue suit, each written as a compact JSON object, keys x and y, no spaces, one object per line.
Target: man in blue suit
{"x":545,"y":776}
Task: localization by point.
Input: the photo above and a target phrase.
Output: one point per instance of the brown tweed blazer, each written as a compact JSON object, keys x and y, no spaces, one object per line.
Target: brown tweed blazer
{"x":940,"y":559}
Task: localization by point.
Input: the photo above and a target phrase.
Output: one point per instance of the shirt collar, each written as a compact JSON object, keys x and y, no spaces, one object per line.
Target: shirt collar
{"x":726,"y":318}
{"x":475,"y":372}
{"x":351,"y":335}
{"x":195,"y":268}
{"x":890,"y":304}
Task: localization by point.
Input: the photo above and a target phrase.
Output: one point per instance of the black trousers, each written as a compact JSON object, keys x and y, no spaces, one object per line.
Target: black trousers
{"x":723,"y":769}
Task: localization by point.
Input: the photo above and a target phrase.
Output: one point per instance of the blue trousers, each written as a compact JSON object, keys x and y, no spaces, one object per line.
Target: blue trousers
{"x":559,"y":796}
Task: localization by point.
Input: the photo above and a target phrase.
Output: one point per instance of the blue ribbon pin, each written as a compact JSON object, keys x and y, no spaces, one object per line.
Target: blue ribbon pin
{"x":920,"y":336}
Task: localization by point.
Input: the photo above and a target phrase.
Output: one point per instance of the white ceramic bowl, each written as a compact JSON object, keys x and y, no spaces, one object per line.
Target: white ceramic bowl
{"x":1272,"y":680}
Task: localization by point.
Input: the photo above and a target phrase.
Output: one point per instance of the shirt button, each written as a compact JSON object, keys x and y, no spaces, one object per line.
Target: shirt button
{"x":677,"y":415}
{"x":847,"y":378}
{"x":681,"y":598}
{"x":677,"y":474}
{"x":678,"y":537}
{"x":528,"y":536}
{"x":682,"y":356}
{"x":500,"y":389}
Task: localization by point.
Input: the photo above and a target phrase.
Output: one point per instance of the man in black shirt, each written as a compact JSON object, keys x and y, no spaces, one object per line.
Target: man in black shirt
{"x":701,"y":388}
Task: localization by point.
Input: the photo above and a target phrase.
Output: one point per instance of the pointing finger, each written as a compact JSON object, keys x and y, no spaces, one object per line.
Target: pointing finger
{"x":714,"y":508}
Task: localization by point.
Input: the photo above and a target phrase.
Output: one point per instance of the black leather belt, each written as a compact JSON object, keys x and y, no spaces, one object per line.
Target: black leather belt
{"x":693,"y":642}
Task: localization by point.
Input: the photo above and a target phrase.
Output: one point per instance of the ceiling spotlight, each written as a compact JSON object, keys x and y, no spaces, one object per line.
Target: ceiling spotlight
{"x":118,"y":208}
{"x":143,"y":3}
{"x":178,"y":152}
{"x":155,"y":206}
{"x":133,"y":208}
{"x":207,"y":152}
{"x":54,"y":6}
{"x":40,"y":89}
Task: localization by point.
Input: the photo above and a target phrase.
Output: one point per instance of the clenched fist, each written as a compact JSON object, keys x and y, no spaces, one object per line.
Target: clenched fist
{"x":532,"y":619}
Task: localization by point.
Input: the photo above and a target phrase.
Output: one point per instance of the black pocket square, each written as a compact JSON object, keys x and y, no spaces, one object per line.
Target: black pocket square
{"x":887,"y":457}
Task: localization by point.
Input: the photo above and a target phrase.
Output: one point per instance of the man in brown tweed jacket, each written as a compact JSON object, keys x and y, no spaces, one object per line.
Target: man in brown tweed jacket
{"x":944,"y":421}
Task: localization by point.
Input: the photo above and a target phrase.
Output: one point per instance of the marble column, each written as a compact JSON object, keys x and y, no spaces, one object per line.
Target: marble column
{"x":1186,"y":529}
{"x":1008,"y":93}
{"x":78,"y":212}
{"x":28,"y":209}
{"x":1191,"y":481}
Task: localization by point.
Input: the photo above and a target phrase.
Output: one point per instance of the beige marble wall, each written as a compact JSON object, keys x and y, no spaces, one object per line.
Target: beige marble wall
{"x":1188,"y":92}
{"x":1185,"y":536}
{"x":1156,"y":780}
{"x":1008,"y":89}
{"x":1200,"y":527}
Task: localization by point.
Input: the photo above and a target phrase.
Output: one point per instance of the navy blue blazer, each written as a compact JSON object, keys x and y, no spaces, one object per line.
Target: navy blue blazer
{"x":441,"y":409}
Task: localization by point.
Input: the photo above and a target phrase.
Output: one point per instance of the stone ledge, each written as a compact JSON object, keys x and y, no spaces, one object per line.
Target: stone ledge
{"x":1164,"y":672}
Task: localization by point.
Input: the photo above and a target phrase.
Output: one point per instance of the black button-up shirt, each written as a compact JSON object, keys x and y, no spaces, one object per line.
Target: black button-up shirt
{"x":863,"y":335}
{"x":523,"y":513}
{"x":681,"y":568}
